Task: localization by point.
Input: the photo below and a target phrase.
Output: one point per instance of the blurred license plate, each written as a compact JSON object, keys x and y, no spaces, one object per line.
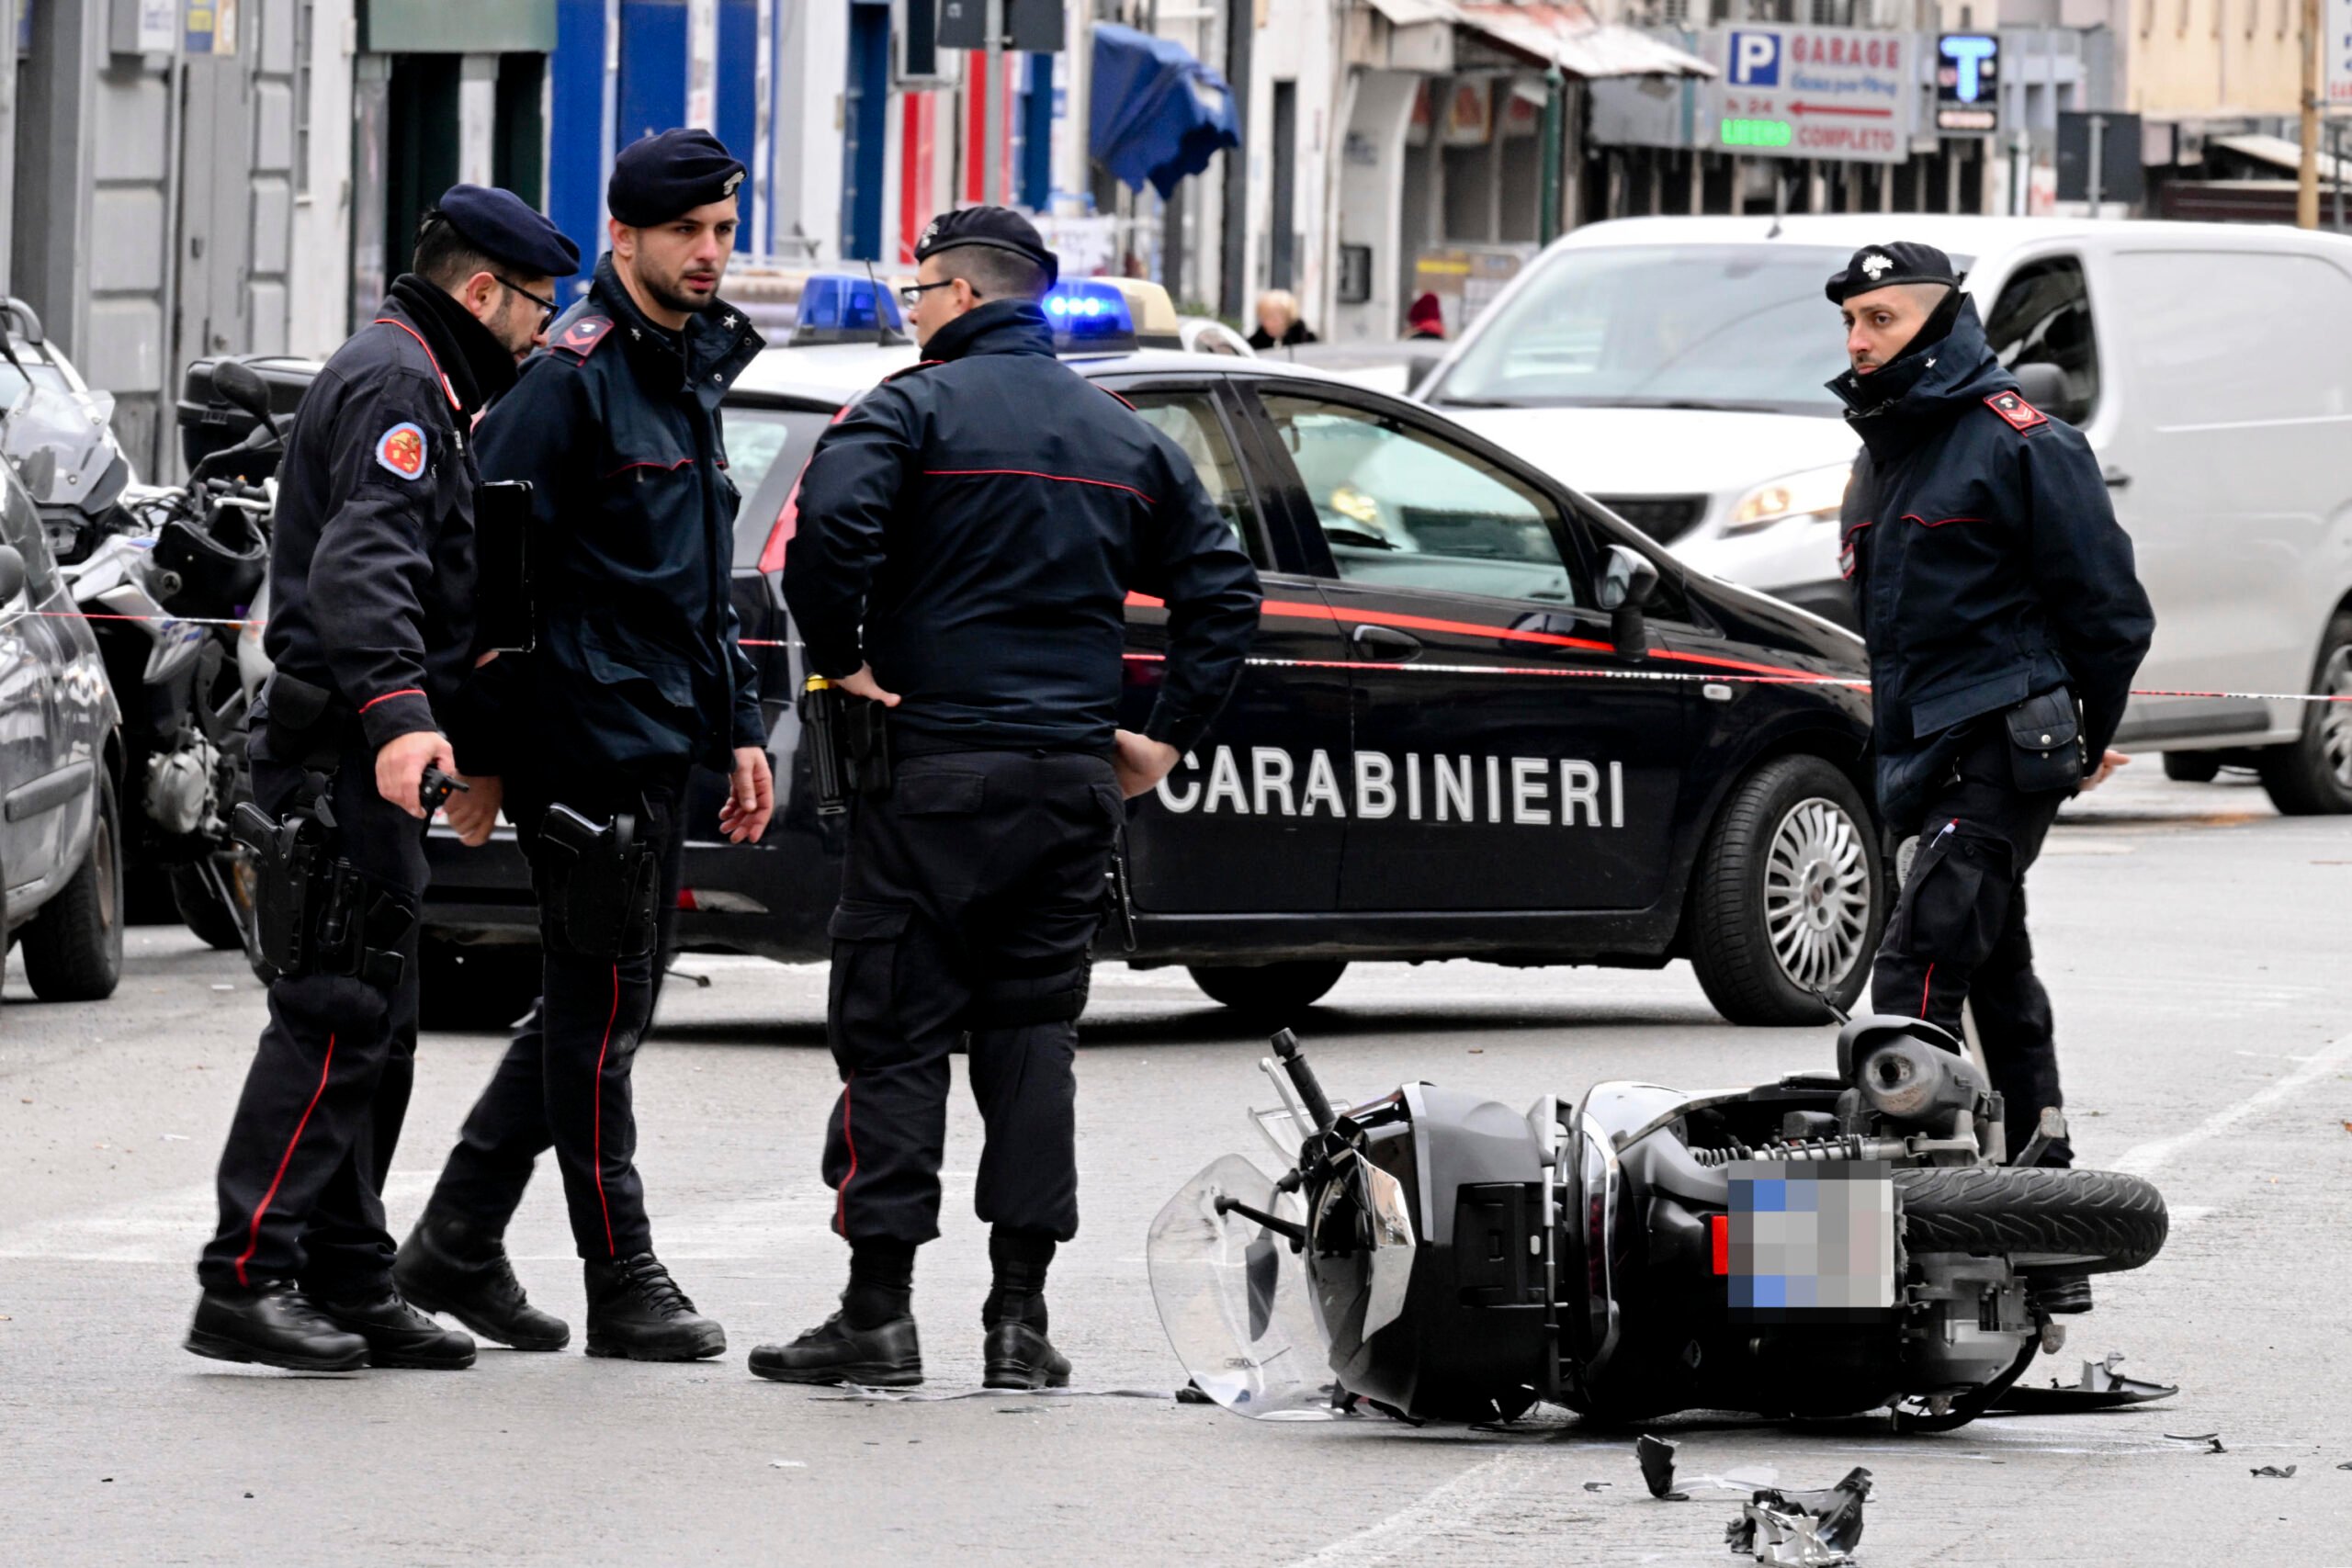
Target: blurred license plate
{"x":1809,"y":1243}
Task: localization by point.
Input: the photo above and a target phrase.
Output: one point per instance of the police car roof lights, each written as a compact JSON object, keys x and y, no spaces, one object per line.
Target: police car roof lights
{"x":842,"y":307}
{"x":1090,"y":316}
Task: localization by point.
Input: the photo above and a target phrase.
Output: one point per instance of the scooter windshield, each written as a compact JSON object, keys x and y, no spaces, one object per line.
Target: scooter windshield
{"x":1233,"y":1297}
{"x":71,"y":428}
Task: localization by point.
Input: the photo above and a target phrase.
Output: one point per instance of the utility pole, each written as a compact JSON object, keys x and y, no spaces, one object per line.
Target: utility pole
{"x":2097,"y":159}
{"x":992,"y":105}
{"x":2307,"y":177}
{"x":1555,"y":91}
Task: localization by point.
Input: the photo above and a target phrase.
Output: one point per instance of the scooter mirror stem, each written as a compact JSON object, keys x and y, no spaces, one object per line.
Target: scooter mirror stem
{"x":1302,"y":1078}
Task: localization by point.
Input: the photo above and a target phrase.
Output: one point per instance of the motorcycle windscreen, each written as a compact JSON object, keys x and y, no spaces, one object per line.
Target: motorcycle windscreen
{"x":1234,"y":1298}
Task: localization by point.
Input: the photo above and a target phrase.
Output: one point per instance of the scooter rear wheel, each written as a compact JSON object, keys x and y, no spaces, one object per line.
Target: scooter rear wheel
{"x":2075,"y":1221}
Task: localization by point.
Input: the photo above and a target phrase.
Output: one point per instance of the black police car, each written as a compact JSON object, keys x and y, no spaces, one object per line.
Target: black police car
{"x":1444,"y":747}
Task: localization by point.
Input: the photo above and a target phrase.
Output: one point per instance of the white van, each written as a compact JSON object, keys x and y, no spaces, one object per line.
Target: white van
{"x":1674,"y":369}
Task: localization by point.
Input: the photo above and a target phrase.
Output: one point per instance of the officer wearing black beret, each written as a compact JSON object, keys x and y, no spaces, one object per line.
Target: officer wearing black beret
{"x":2005,"y":621}
{"x":371,"y":631}
{"x":637,"y":678}
{"x":968,"y":536}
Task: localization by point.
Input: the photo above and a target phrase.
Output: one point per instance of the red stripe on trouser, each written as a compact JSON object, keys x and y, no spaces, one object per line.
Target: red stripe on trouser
{"x":841,"y":1193}
{"x":252,"y":1235}
{"x":1925,"y":986}
{"x":596,"y":1108}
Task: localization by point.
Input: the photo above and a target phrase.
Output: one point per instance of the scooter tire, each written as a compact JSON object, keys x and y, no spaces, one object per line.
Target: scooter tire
{"x":2044,"y":1219}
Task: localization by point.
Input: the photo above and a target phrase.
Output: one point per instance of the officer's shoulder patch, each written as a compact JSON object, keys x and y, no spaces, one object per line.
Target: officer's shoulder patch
{"x":2022,"y":416}
{"x":582,"y":337}
{"x":402,"y":449}
{"x":911,"y":369}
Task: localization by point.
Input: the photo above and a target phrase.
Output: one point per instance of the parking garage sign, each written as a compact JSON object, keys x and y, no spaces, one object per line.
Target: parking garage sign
{"x":1837,"y":93}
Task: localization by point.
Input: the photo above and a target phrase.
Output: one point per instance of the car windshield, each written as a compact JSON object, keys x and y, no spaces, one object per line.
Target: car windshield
{"x":1737,"y":326}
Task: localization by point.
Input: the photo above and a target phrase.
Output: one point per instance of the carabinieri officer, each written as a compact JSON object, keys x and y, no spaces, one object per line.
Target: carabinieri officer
{"x":638,"y":677}
{"x":371,"y":630}
{"x":968,"y":536}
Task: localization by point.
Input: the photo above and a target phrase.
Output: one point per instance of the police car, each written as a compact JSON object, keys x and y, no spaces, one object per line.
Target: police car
{"x":1483,"y":717}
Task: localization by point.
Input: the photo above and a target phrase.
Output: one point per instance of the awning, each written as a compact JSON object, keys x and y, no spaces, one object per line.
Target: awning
{"x":1156,"y":113}
{"x":2275,"y":151}
{"x":1562,"y":35}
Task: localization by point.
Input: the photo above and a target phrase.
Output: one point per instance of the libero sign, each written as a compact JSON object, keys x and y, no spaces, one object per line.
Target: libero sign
{"x":1837,"y":92}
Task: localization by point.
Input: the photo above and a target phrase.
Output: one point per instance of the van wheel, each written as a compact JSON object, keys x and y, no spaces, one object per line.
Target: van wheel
{"x":74,"y":947}
{"x":1270,"y":993}
{"x":476,"y":988}
{"x":2193,"y":767}
{"x":1788,"y":895}
{"x":2312,"y":776}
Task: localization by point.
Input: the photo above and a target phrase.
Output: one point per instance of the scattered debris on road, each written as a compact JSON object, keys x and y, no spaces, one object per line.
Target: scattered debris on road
{"x":2272,"y":1469}
{"x":1802,"y":1529}
{"x":787,"y":1465}
{"x":1657,"y":1456}
{"x":2212,"y":1438}
{"x":2101,"y":1387}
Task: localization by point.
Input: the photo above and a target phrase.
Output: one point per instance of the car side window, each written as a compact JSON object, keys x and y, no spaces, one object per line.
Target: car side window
{"x":2043,"y":317}
{"x":1190,"y":419}
{"x":1402,"y":507}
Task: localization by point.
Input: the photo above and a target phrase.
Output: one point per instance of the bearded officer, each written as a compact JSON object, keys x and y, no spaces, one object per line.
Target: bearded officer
{"x":2005,"y":622}
{"x":968,"y":536}
{"x":371,"y":630}
{"x":638,"y":678}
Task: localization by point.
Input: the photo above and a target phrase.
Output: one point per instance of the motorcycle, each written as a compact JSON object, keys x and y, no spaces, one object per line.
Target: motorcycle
{"x":163,"y":574}
{"x":1827,"y":1243}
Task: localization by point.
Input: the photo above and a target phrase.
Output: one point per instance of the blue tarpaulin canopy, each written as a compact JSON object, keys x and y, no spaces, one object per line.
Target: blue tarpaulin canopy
{"x":1156,"y":113}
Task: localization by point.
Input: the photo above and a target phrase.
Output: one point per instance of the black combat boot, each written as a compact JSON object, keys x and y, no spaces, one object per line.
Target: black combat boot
{"x":445,"y":1265}
{"x":637,"y":1312}
{"x":1015,"y":1352}
{"x":871,"y":1341}
{"x":399,"y":1336}
{"x":272,"y":1325}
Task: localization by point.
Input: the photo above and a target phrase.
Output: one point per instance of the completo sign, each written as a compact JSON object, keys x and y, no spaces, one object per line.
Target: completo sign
{"x":1837,"y":92}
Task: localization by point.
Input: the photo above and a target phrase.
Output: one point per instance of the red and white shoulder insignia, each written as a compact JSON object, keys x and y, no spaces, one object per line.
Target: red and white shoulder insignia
{"x":2022,"y":416}
{"x":580,"y":338}
{"x":401,"y":450}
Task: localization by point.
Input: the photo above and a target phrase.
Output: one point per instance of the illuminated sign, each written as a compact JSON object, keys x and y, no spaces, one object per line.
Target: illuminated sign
{"x":1968,"y":85}
{"x":1757,"y":133}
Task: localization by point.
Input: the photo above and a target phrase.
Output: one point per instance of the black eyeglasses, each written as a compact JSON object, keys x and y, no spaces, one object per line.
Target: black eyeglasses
{"x":548,"y":309}
{"x":911,"y":294}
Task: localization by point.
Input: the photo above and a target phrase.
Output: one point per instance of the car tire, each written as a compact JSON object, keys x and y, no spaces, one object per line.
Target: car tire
{"x":2312,"y":775}
{"x":74,"y":947}
{"x":1774,"y":896}
{"x":2193,"y":767}
{"x":476,"y":988}
{"x":201,"y":909}
{"x":1270,"y":993}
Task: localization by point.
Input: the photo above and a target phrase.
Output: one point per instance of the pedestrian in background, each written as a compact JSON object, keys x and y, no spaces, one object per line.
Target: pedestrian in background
{"x":1278,"y":323}
{"x":2005,"y":622}
{"x":370,"y":634}
{"x":968,"y":537}
{"x":1425,"y":322}
{"x":637,"y":678}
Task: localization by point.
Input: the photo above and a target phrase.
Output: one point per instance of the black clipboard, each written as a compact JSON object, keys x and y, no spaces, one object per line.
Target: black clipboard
{"x":504,"y":618}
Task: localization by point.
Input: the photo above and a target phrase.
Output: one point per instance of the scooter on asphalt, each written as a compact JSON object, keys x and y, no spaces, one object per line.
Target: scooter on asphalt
{"x":1826,"y":1244}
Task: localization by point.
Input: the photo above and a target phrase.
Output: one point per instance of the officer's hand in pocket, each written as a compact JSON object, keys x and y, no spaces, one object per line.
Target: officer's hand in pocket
{"x":862,"y":683}
{"x":401,"y":764}
{"x":750,"y":797}
{"x":1141,"y":762}
{"x":2107,"y":766}
{"x":474,"y":813}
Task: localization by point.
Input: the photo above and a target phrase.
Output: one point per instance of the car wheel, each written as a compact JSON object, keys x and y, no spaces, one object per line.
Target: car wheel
{"x":2312,"y":776}
{"x":74,"y":947}
{"x":2193,"y":767}
{"x":1788,"y":895}
{"x":475,"y":989}
{"x":1270,"y":993}
{"x":201,"y":909}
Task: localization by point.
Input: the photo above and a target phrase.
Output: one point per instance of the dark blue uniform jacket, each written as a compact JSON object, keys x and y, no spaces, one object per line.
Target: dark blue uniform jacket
{"x":984,"y":515}
{"x":616,"y":425}
{"x":1986,"y":564}
{"x":372,"y":562}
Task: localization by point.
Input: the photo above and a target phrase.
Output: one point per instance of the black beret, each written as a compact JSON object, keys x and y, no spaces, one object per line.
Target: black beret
{"x":658,"y":177}
{"x":505,"y":227}
{"x":1882,"y":267}
{"x":999,"y":227}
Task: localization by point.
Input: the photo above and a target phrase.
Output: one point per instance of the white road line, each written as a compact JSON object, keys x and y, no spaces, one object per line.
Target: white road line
{"x":2151,"y":1157}
{"x":1438,"y":1511}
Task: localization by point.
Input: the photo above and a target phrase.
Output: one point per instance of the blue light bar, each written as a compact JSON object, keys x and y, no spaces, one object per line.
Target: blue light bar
{"x":842,"y":307}
{"x":1090,"y":316}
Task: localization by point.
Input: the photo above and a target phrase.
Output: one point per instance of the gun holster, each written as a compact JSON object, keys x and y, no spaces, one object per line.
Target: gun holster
{"x":598,"y":884}
{"x":315,"y":913}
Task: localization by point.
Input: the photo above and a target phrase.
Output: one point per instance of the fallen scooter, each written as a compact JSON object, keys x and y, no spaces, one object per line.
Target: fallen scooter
{"x":1827,"y":1243}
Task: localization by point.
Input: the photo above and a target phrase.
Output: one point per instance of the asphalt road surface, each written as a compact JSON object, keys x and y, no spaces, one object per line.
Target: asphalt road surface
{"x":2194,"y":942}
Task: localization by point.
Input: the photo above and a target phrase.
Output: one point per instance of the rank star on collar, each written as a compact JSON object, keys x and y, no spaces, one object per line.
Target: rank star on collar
{"x":728,"y":321}
{"x":1877,"y":267}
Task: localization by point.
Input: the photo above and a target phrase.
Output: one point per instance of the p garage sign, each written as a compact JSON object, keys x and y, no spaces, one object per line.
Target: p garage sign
{"x":1837,"y":93}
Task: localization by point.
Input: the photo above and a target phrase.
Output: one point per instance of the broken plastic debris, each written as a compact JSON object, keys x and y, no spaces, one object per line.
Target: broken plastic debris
{"x":787,"y":1465}
{"x":1802,"y":1529}
{"x":2212,"y":1438}
{"x":2286,"y":1474}
{"x":1656,"y":1456}
{"x":1601,"y":1485}
{"x":2101,"y":1387}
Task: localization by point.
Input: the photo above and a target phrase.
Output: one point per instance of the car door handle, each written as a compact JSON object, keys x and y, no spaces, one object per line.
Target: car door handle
{"x":2116,"y":478}
{"x":1385,"y":642}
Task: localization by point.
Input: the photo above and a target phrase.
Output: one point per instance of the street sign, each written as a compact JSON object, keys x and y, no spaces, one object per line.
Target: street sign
{"x":2121,"y":177}
{"x":2338,"y":58}
{"x":1835,"y":92}
{"x":1968,"y":85}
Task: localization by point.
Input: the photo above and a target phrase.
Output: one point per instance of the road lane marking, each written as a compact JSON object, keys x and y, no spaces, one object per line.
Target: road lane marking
{"x":2150,"y":1158}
